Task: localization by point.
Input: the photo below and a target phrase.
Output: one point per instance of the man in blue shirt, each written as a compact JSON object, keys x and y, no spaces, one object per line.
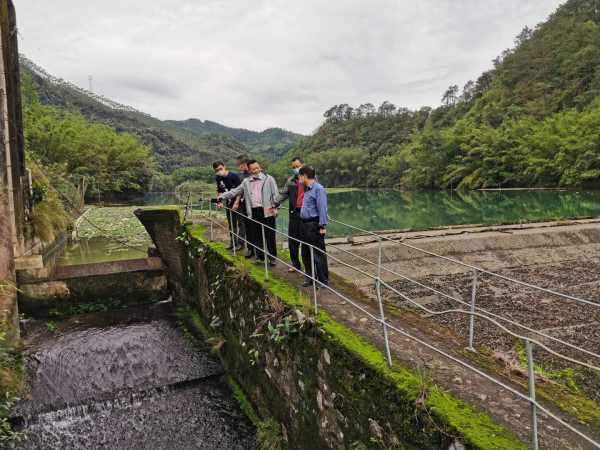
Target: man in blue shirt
{"x":227,"y":181}
{"x":313,"y":217}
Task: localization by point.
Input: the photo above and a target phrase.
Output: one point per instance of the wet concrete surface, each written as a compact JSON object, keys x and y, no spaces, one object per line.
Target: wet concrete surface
{"x":126,"y":379}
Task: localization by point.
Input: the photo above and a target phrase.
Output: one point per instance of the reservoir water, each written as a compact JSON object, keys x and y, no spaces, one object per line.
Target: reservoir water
{"x":375,"y":210}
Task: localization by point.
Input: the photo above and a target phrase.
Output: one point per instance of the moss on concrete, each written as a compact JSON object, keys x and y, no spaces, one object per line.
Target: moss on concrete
{"x":356,"y":371}
{"x":552,"y":387}
{"x":245,"y":405}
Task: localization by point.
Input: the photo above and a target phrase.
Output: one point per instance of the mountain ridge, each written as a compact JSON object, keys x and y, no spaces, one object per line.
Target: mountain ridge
{"x":173,"y":145}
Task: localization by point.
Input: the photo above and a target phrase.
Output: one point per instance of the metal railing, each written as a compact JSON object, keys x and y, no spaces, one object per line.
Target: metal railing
{"x":470,"y":305}
{"x":385,"y":325}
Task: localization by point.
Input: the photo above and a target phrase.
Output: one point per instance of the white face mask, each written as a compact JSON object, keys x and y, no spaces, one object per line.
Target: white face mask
{"x":221,"y":172}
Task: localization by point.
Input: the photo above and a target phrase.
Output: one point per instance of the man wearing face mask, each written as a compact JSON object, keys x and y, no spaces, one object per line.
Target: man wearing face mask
{"x":313,"y":217}
{"x":259,"y":191}
{"x":295,"y":192}
{"x":242,"y":163}
{"x":226,"y":181}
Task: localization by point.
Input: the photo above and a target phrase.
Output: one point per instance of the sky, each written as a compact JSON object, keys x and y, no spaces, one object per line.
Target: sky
{"x":270,"y":63}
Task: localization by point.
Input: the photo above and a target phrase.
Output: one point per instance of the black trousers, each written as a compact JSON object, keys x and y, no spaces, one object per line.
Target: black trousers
{"x":311,"y":235}
{"x":247,"y":223}
{"x":258,"y":215}
{"x":295,"y":231}
{"x":237,"y":230}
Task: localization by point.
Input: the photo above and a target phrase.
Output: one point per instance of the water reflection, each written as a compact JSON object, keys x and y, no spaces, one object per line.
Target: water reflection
{"x":384,"y":210}
{"x":92,"y":250}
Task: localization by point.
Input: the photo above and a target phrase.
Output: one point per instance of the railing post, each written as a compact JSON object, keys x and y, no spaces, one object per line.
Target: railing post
{"x":262,"y":226}
{"x":534,"y":433}
{"x":210,"y":220}
{"x":282,"y":230}
{"x":187,"y":205}
{"x":378,"y":288}
{"x":472,"y":318}
{"x":314,"y":276}
{"x":231,"y":213}
{"x":193,"y":224}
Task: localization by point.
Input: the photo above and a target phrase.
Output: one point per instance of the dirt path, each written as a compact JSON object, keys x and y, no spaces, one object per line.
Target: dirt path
{"x":502,"y":405}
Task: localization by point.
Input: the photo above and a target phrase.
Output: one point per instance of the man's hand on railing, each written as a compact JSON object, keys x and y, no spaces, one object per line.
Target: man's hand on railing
{"x":270,"y":209}
{"x":219,"y":205}
{"x":275,"y":213}
{"x":236,"y":206}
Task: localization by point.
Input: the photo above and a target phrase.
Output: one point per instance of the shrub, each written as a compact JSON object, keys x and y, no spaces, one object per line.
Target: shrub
{"x":48,"y":217}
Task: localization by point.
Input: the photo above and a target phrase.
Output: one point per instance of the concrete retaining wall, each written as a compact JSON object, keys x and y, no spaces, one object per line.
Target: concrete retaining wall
{"x":51,"y":291}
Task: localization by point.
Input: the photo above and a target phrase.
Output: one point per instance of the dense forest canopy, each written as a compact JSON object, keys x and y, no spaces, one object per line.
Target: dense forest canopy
{"x":533,"y":119}
{"x":68,"y":146}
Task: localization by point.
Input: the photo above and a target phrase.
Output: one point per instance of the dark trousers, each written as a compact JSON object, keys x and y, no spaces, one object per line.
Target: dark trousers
{"x":311,"y":235}
{"x":237,"y":230}
{"x":295,"y":231}
{"x":258,"y":216}
{"x":247,"y":227}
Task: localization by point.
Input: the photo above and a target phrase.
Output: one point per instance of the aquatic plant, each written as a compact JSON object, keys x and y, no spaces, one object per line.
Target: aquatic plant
{"x":9,"y":437}
{"x":270,"y":436}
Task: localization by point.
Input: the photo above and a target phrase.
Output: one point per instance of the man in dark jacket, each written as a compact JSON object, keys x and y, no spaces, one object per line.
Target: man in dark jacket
{"x":227,"y":181}
{"x":295,"y":192}
{"x":242,"y":162}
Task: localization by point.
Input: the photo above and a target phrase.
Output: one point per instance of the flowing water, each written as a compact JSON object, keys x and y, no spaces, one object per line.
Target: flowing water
{"x":126,"y":379}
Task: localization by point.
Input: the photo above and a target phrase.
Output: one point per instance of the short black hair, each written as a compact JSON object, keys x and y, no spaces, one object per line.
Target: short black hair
{"x":218,"y":163}
{"x":242,"y":159}
{"x":252,"y":161}
{"x":308,"y":171}
{"x":297,"y":158}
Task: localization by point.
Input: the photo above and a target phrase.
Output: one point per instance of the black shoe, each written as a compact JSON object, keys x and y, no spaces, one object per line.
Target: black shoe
{"x":272,"y":262}
{"x":249,"y":255}
{"x":307,"y":283}
{"x":322,"y":286}
{"x":239,"y":247}
{"x":229,"y":247}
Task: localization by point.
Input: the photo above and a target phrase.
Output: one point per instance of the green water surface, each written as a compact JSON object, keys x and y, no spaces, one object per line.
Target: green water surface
{"x":387,"y":210}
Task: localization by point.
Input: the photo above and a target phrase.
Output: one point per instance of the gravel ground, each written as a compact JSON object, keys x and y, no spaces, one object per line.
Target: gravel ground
{"x":565,"y":319}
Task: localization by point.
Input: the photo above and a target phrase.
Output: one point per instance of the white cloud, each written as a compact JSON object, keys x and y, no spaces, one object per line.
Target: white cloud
{"x":270,"y":62}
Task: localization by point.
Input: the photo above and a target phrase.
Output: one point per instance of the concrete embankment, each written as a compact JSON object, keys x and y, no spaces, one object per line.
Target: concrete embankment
{"x":324,"y":377}
{"x":563,"y":257}
{"x":56,"y":291}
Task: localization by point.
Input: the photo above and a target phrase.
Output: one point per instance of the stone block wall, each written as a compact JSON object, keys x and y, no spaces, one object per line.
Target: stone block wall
{"x":324,"y":385}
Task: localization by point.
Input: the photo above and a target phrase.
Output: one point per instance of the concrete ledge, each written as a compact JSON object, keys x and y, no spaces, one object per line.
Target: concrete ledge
{"x":57,"y":291}
{"x":85,"y":270}
{"x":29,"y":262}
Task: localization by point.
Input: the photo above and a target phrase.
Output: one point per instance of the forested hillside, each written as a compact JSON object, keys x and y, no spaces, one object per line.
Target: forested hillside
{"x":533,"y":119}
{"x":173,"y":145}
{"x":271,"y":143}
